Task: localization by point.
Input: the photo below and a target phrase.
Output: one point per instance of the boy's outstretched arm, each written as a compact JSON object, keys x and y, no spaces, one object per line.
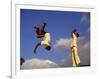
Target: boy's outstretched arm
{"x":38,"y":44}
{"x":44,"y":24}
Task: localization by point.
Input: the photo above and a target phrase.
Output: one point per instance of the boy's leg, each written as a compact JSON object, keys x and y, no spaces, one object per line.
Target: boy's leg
{"x":73,"y":58}
{"x":77,"y":59}
{"x":38,"y":44}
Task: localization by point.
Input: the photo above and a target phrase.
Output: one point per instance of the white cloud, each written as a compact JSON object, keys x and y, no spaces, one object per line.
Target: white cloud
{"x":85,"y":19}
{"x":38,"y":63}
{"x":62,"y":44}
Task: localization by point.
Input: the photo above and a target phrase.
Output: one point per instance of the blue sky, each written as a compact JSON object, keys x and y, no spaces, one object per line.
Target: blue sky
{"x":60,"y":24}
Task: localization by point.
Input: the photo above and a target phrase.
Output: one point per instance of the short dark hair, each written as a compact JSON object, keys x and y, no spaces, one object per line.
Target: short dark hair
{"x":77,"y":35}
{"x":74,"y":30}
{"x":48,"y":47}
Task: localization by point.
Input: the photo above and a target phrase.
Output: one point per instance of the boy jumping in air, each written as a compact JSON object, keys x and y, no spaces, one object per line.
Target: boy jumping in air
{"x":40,"y":32}
{"x":74,"y":48}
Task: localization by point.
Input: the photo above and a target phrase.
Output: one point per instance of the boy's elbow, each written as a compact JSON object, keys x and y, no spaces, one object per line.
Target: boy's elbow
{"x":37,"y":36}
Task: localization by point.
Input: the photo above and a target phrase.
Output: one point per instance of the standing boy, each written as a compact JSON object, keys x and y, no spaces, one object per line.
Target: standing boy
{"x":74,"y":48}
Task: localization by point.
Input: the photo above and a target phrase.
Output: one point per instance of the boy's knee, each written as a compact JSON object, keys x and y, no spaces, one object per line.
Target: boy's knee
{"x":48,"y":48}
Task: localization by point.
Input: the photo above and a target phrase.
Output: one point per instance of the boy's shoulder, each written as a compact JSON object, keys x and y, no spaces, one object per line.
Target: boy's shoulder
{"x":47,"y":33}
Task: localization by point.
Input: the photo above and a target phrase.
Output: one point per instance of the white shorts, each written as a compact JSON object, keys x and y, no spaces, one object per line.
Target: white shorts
{"x":46,"y":43}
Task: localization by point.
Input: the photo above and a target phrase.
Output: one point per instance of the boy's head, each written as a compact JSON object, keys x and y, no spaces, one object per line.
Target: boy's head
{"x":48,"y":48}
{"x":74,"y":30}
{"x":39,"y":30}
